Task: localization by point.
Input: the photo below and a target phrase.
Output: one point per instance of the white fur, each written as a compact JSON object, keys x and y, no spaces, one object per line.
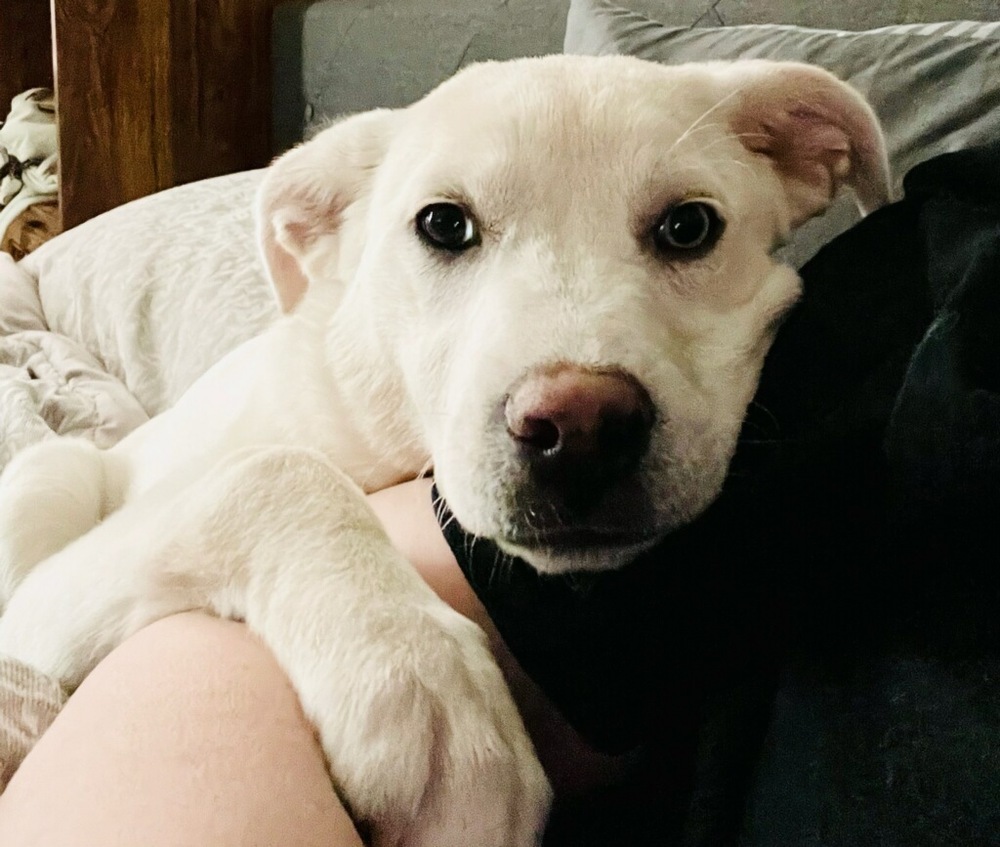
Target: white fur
{"x":392,"y":358}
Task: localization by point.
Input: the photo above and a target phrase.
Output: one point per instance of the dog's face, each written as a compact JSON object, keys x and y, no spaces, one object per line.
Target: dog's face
{"x":571,"y":259}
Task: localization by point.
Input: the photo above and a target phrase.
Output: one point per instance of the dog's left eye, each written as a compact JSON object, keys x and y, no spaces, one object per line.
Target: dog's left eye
{"x":447,"y":226}
{"x":692,"y":225}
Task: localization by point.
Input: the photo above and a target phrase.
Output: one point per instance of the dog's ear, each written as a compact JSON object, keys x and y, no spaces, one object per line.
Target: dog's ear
{"x":305,"y":194}
{"x":818,"y":132}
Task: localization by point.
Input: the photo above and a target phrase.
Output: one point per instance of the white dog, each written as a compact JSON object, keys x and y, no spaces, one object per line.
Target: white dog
{"x":551,"y":279}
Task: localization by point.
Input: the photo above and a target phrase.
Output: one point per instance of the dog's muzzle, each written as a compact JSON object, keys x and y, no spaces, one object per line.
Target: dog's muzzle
{"x":578,"y":436}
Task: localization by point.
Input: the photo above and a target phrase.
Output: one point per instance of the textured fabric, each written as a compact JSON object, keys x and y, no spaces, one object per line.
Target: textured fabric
{"x":161,"y":288}
{"x":49,"y":384}
{"x":935,"y":87}
{"x":28,"y":157}
{"x":851,"y":556}
{"x":891,"y":695}
{"x":29,"y":702}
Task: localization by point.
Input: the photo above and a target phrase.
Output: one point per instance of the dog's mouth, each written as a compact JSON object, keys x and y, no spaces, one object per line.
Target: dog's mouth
{"x":578,"y":538}
{"x":577,"y":548}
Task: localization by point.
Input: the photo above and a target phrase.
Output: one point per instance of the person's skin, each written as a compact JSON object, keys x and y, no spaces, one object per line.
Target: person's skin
{"x":190,"y":734}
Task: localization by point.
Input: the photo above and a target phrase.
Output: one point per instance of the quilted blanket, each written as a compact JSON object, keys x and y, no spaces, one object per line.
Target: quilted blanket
{"x":110,"y":322}
{"x":49,"y":384}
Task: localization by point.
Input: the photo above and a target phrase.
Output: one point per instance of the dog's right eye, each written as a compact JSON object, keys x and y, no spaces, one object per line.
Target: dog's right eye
{"x":447,"y":226}
{"x":687,"y":227}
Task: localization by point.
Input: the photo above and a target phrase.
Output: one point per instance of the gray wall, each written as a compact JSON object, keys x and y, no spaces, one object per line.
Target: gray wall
{"x":338,"y":56}
{"x":333,"y":57}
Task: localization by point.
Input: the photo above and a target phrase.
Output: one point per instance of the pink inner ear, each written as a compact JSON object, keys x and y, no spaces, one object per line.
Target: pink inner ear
{"x":806,"y":146}
{"x":289,"y":282}
{"x":294,"y":230}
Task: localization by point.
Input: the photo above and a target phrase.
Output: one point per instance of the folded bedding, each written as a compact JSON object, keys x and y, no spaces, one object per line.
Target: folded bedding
{"x":50,"y":385}
{"x":109,"y":323}
{"x":160,"y":289}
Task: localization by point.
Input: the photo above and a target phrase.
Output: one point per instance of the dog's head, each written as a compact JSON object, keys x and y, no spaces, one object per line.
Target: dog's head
{"x":568,"y":262}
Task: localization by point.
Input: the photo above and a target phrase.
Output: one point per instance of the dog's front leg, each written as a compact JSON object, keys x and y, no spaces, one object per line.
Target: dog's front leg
{"x":423,"y":739}
{"x":422,"y":736}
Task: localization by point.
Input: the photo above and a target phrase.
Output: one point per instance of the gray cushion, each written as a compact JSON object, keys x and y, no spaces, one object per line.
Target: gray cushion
{"x":936,"y":87}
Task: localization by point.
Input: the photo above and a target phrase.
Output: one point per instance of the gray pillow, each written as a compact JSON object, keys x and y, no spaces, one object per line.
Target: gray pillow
{"x":935,"y":87}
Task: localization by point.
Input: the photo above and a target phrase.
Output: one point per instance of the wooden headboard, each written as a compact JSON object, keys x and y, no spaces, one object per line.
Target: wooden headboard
{"x":151,"y":93}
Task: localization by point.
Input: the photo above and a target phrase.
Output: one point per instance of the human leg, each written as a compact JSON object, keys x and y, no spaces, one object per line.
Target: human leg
{"x":187,"y":734}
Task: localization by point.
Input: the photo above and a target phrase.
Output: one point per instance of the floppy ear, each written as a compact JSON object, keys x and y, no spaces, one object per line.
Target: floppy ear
{"x":304,"y":195}
{"x":818,"y":132}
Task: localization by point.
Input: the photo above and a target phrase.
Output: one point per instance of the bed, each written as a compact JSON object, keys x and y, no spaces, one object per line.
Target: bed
{"x":107,"y":324}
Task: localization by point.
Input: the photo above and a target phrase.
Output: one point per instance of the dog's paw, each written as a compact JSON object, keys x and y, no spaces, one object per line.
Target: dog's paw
{"x":50,"y":494}
{"x":435,"y":753}
{"x":421,"y":734}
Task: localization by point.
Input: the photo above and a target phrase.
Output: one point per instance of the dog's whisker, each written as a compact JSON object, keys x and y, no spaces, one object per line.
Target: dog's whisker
{"x":755,"y":404}
{"x":439,"y":506}
{"x":725,"y":140}
{"x":448,"y":523}
{"x":698,"y":121}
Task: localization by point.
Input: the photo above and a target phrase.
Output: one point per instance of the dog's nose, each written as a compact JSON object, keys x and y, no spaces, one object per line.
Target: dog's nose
{"x":592,"y":425}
